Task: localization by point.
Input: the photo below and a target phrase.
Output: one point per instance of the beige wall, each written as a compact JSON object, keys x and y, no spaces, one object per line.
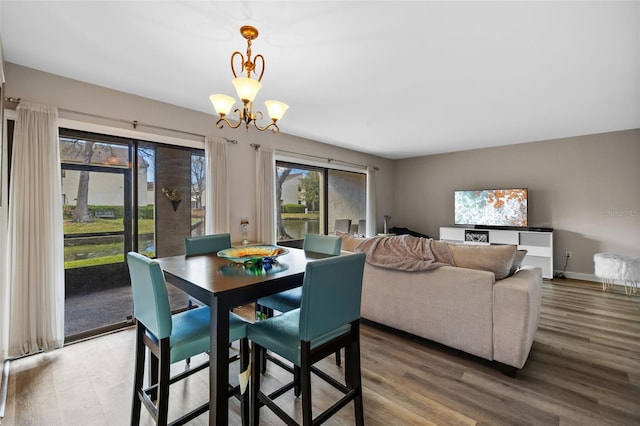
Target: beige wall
{"x":587,"y":188}
{"x":73,"y":95}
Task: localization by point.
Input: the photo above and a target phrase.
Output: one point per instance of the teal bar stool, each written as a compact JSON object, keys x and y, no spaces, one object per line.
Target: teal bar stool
{"x":290,"y":299}
{"x":171,"y":338}
{"x":204,"y":244}
{"x":327,"y":320}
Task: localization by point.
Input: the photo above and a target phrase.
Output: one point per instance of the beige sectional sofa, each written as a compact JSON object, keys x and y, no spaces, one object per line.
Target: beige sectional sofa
{"x":467,"y":309}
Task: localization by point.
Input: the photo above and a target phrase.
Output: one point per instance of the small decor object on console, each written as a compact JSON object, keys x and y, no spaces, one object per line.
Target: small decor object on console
{"x":387,"y":220}
{"x":476,"y":236}
{"x":244,"y":224}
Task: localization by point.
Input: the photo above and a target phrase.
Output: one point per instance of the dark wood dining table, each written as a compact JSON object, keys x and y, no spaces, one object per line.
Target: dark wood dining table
{"x":223,"y":285}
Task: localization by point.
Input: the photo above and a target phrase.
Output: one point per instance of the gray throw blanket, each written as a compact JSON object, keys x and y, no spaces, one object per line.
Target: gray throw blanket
{"x":406,"y":253}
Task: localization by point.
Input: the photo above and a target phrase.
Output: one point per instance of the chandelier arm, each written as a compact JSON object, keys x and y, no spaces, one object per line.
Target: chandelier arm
{"x":233,"y":69}
{"x":273,"y":126}
{"x":255,"y":63}
{"x":223,"y":119}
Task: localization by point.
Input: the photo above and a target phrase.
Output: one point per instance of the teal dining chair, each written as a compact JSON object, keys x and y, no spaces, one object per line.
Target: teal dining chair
{"x":204,"y":244}
{"x":327,"y":320}
{"x":288,"y":300}
{"x":171,"y":338}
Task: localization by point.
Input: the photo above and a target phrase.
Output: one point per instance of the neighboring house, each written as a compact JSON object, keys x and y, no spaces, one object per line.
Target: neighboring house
{"x":150,"y":194}
{"x":105,"y":189}
{"x":291,"y":190}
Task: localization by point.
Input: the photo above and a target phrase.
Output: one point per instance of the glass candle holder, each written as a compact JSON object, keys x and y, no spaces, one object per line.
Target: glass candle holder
{"x":244,"y":226}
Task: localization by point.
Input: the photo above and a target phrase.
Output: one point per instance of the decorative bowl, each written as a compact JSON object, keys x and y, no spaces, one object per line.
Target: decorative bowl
{"x":252,"y":268}
{"x":249,"y":254}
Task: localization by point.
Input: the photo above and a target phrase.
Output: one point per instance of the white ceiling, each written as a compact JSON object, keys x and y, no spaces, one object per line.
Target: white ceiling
{"x":390,"y":78}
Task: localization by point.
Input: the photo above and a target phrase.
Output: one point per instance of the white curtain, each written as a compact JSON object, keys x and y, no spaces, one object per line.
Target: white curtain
{"x":35,"y":246}
{"x":371,"y":203}
{"x":217,"y":198}
{"x":265,"y":196}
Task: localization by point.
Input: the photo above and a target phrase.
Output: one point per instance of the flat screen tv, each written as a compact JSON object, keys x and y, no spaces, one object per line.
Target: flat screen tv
{"x":492,"y":207}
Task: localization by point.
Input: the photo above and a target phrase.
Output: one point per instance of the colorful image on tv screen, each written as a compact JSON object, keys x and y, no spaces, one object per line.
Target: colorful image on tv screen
{"x":494,"y":207}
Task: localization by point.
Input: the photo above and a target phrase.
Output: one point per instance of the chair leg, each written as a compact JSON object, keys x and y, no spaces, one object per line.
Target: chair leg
{"x":136,"y":404}
{"x":163,"y":383}
{"x":296,"y":380}
{"x":304,"y":380}
{"x":348,"y":366}
{"x":338,"y":362}
{"x":356,"y":381}
{"x":266,"y":313}
{"x":189,"y":307}
{"x":244,"y":364}
{"x":153,"y":375}
{"x":256,"y":357}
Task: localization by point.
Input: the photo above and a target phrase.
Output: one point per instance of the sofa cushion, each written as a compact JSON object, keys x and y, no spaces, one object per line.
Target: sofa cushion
{"x":349,"y":242}
{"x":517,"y":261}
{"x":493,"y":258}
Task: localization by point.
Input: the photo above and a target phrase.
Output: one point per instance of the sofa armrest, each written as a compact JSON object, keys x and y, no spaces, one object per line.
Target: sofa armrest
{"x":516,"y":313}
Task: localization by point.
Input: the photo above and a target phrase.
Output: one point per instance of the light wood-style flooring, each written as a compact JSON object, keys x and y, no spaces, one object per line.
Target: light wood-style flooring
{"x":584,"y":369}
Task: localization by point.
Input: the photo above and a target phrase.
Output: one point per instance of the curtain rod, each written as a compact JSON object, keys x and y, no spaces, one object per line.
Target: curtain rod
{"x":328,"y":159}
{"x":135,"y":124}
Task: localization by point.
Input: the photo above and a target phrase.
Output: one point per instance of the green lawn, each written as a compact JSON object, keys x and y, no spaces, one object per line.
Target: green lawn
{"x":145,"y":226}
{"x":309,"y":216}
{"x":99,"y":254}
{"x":103,"y":260}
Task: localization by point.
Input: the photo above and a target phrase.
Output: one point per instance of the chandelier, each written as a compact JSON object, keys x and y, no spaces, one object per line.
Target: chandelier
{"x":247,"y":89}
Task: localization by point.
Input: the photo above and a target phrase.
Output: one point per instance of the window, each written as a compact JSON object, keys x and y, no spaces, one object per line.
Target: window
{"x":198,"y":193}
{"x":310,"y":199}
{"x":95,"y":186}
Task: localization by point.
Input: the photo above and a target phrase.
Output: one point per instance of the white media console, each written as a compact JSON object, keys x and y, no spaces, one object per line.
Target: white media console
{"x":539,"y":244}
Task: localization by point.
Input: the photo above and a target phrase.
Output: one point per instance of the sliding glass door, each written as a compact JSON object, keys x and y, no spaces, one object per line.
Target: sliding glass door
{"x":97,"y":234}
{"x":97,"y":211}
{"x":114,"y":201}
{"x":311,"y":200}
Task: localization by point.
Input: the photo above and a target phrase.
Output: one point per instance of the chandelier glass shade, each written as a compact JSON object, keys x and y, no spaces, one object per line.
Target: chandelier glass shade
{"x":247,"y":88}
